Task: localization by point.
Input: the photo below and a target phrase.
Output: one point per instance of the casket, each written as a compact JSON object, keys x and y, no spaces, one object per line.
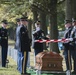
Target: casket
{"x":49,"y":61}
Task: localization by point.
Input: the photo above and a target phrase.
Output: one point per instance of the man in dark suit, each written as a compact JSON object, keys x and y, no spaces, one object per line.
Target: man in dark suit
{"x":25,"y":44}
{"x":4,"y":42}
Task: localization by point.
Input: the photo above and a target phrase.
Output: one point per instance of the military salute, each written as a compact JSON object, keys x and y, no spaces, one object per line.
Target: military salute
{"x":38,"y":34}
{"x":4,"y":42}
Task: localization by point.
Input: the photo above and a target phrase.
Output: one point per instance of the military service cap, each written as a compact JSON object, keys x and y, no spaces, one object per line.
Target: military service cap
{"x":74,"y":20}
{"x":38,"y":22}
{"x":5,"y":22}
{"x":24,"y":18}
{"x":67,"y":21}
{"x":18,"y":20}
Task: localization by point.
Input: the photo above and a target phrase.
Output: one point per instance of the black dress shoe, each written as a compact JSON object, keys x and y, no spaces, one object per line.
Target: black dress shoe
{"x":21,"y":74}
{"x":74,"y":72}
{"x":27,"y":74}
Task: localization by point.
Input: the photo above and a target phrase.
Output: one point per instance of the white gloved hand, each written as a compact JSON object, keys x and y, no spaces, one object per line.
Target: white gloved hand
{"x":37,"y":29}
{"x":35,"y":25}
{"x":70,"y":39}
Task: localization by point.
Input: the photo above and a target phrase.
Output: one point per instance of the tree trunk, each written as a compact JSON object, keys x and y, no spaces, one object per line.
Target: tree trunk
{"x":43,"y":25}
{"x":53,"y":27}
{"x":68,"y":13}
{"x":43,"y":22}
{"x":74,"y":8}
{"x":35,"y":17}
{"x":30,"y":28}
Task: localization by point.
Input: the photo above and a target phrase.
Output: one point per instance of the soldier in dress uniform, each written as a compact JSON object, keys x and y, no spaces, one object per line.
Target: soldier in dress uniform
{"x":38,"y":34}
{"x":4,"y":42}
{"x":73,"y":45}
{"x":25,"y":44}
{"x":68,"y":29}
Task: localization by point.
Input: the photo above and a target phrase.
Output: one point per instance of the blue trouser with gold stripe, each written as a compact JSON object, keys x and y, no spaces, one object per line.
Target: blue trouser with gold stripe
{"x":24,"y":60}
{"x":4,"y":55}
{"x":73,"y":54}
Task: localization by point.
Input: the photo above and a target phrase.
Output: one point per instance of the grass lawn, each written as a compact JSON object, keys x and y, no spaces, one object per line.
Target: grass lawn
{"x":11,"y":70}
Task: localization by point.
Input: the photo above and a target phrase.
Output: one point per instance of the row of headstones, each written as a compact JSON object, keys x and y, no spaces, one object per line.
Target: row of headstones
{"x":12,"y":53}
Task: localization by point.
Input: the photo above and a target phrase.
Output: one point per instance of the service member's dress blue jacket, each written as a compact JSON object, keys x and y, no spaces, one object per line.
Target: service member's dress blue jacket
{"x":4,"y":37}
{"x":67,"y":35}
{"x":38,"y":36}
{"x":24,"y":39}
{"x":73,"y":36}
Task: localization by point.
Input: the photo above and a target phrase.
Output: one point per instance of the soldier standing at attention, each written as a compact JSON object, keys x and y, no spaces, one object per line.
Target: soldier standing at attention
{"x":4,"y":42}
{"x":73,"y":45}
{"x":68,"y":29}
{"x":25,"y":44}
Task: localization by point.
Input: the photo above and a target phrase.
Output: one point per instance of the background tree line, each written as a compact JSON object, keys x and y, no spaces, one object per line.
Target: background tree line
{"x":51,"y":13}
